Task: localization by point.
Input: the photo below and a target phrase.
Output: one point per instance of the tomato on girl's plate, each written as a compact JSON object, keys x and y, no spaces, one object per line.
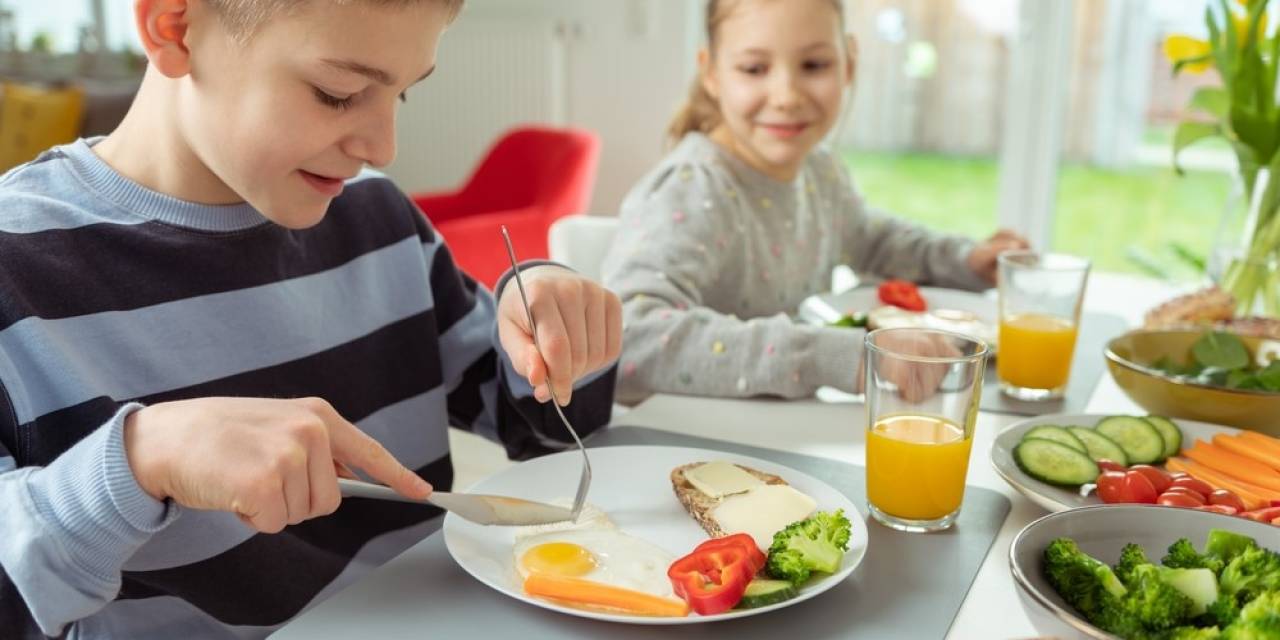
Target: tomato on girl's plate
{"x":901,"y":293}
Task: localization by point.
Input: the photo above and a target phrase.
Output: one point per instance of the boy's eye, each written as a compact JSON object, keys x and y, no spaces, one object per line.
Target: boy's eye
{"x":403,"y":97}
{"x":331,"y":101}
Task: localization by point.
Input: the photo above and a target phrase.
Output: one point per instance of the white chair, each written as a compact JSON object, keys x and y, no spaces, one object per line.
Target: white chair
{"x":581,"y":242}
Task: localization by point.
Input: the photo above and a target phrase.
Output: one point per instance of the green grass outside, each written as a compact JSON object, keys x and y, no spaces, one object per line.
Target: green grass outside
{"x":1105,"y":214}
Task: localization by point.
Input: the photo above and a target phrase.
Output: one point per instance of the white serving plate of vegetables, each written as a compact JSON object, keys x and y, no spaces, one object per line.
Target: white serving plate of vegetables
{"x":1058,"y":483}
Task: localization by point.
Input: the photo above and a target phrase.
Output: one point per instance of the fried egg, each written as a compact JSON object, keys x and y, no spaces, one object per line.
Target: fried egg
{"x":604,"y":555}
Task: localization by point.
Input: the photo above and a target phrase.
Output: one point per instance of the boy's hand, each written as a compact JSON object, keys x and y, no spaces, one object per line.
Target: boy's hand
{"x":271,"y":462}
{"x":982,"y":260}
{"x":579,"y":328}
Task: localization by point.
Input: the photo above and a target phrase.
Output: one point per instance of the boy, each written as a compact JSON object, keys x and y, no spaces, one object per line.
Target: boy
{"x":197,"y":311}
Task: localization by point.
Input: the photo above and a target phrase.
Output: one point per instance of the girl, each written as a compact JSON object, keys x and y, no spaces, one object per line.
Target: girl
{"x":747,"y":216}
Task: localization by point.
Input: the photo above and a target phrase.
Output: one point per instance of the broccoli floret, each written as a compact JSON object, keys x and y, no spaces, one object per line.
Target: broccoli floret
{"x":1192,"y":633}
{"x":1154,"y":602}
{"x":816,"y":543}
{"x":1260,"y":619}
{"x":1183,"y":555}
{"x":1083,"y":581}
{"x":1131,"y":557}
{"x":1222,"y":612}
{"x":1250,"y":573}
{"x":1226,"y":545}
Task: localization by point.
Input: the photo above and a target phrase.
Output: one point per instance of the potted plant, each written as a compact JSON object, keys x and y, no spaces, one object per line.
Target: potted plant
{"x":1245,"y":112}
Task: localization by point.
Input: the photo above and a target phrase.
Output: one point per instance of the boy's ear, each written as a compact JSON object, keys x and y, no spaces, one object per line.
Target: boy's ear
{"x":706,"y":74}
{"x":851,"y":50}
{"x":162,"y":26}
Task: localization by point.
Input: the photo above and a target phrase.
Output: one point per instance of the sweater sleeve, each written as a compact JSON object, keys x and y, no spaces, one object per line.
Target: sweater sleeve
{"x":68,"y":529}
{"x":671,"y":248}
{"x":883,"y":245}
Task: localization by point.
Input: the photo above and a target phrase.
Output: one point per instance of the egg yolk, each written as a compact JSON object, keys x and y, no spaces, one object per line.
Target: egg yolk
{"x":559,"y":558}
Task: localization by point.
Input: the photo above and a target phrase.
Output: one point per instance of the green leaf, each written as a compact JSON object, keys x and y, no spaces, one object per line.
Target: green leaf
{"x":1187,"y":134}
{"x":1241,"y":379}
{"x":1211,"y":100}
{"x":1255,"y":130}
{"x":1220,"y":351}
{"x":1269,"y":377}
{"x":1187,"y":255}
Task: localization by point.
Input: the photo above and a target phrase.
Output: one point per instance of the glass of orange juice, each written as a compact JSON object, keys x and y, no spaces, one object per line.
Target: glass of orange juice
{"x":922,"y":390}
{"x":1040,"y":300}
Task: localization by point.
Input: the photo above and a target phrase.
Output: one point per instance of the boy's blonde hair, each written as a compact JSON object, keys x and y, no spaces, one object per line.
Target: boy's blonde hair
{"x":243,"y":17}
{"x":701,"y":112}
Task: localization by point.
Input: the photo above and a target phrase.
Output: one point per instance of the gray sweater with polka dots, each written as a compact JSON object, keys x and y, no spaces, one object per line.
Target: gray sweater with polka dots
{"x":712,"y":257}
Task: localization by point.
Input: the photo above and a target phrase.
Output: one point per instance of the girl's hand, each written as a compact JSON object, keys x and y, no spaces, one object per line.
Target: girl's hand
{"x":915,"y":381}
{"x":579,"y":327}
{"x":982,"y":260}
{"x":271,"y":462}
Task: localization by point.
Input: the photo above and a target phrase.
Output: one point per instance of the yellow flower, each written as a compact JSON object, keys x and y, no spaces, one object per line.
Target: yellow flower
{"x":1241,"y":24}
{"x":1180,"y":47}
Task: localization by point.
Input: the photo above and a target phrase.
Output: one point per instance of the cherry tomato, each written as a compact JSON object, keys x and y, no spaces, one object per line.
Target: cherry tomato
{"x":1159,"y":479}
{"x":1224,"y":497}
{"x":1226,"y":510}
{"x":1266,"y":514}
{"x":1139,"y":488}
{"x":1199,"y":486}
{"x":1111,"y":487}
{"x":1188,"y":493}
{"x":1111,"y":465}
{"x":1178,"y":474}
{"x":1178,"y":499}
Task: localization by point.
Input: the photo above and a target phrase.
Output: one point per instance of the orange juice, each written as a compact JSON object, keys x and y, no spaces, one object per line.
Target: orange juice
{"x":916,"y":466}
{"x":1035,"y":351}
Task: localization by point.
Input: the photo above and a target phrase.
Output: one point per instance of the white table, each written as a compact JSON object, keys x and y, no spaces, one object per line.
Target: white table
{"x":832,"y":430}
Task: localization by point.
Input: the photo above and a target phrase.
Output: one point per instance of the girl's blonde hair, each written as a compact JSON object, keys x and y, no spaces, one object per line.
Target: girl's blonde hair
{"x":243,"y":17}
{"x":700,"y":111}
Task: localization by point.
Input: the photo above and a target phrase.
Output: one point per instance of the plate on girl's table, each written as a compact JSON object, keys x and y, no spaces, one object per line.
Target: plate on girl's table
{"x":1062,"y":498}
{"x":963,"y":312}
{"x":631,"y":485}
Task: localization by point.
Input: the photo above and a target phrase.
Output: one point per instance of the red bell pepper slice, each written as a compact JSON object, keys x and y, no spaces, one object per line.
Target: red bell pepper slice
{"x":713,"y":579}
{"x":755,"y":556}
{"x":901,"y":293}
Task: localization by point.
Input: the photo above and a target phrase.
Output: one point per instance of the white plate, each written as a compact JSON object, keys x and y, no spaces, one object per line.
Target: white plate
{"x":633,"y":486}
{"x":830,"y":307}
{"x":1057,"y":498}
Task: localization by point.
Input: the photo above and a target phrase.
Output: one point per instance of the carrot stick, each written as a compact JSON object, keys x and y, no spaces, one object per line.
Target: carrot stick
{"x":1234,"y":465}
{"x":1248,"y":494}
{"x":579,"y":591}
{"x":1260,"y":440}
{"x":1240,"y":447}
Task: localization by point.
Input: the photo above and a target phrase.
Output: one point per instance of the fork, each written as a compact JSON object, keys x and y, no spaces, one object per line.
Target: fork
{"x":584,"y":482}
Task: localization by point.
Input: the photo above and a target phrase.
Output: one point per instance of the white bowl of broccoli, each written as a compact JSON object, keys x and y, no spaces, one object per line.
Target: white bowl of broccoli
{"x":1145,"y":571}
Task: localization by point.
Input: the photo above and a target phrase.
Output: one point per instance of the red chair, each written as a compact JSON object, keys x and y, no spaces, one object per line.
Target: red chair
{"x":529,"y":179}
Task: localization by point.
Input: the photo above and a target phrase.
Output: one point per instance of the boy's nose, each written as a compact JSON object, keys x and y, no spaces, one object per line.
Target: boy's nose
{"x":375,"y":144}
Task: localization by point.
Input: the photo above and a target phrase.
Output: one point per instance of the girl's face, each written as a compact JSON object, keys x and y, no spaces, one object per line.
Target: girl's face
{"x":779,"y":72}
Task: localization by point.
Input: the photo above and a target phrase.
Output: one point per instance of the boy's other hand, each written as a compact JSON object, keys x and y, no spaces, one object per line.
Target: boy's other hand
{"x":982,"y":260}
{"x":271,"y":462}
{"x":579,"y":328}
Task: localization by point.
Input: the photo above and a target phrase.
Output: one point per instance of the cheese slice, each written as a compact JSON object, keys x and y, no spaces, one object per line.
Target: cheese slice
{"x":763,"y":511}
{"x":719,"y":479}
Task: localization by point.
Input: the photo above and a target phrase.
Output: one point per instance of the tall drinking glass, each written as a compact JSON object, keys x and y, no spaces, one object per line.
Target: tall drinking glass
{"x":922,"y":389}
{"x":1040,"y":300}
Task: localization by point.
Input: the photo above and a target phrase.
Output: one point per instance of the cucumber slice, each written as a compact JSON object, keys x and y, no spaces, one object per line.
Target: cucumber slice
{"x":763,"y":592}
{"x":1058,"y":435}
{"x":1139,"y":439}
{"x":1170,"y":432}
{"x":1100,"y":447}
{"x":1055,"y":463}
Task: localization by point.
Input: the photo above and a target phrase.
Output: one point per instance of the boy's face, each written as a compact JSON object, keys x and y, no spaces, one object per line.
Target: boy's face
{"x":309,"y":100}
{"x":779,"y":72}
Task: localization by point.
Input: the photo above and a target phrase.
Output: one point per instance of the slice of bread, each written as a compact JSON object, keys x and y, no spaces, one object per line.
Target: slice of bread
{"x":700,"y":505}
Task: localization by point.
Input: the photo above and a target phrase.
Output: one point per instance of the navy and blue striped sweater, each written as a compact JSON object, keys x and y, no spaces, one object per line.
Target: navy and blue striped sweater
{"x":113,"y":297}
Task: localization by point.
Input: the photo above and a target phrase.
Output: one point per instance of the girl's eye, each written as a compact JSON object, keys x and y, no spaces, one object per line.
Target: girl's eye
{"x":753,"y":69}
{"x":332,"y":101}
{"x":817,"y":65}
